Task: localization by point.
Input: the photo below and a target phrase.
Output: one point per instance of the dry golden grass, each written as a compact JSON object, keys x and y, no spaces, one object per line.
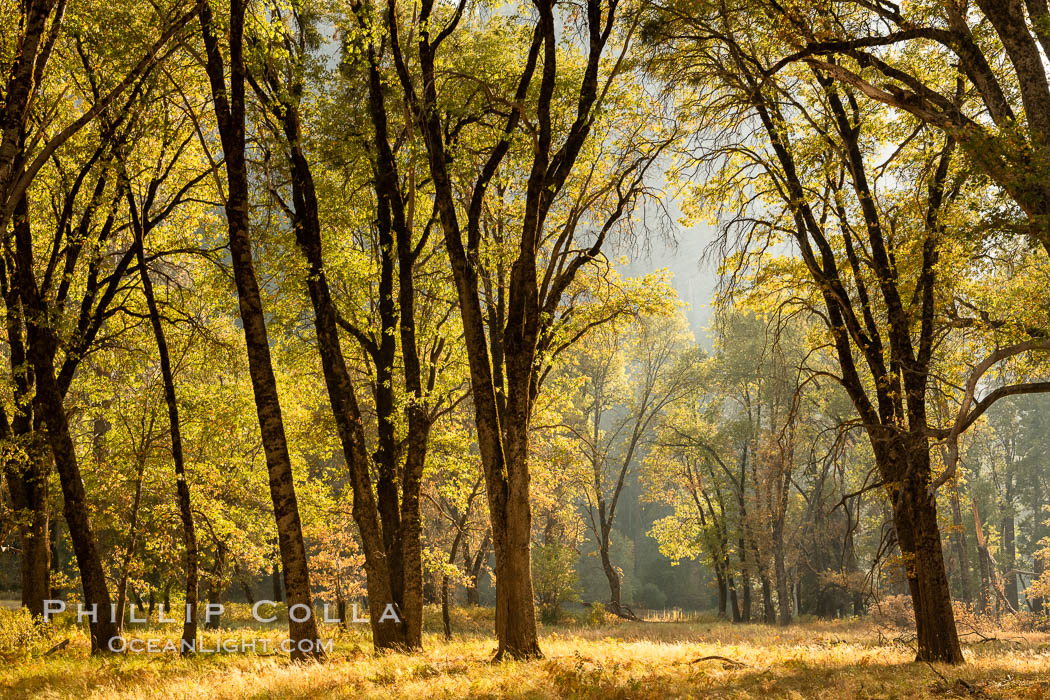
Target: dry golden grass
{"x":842,"y":659}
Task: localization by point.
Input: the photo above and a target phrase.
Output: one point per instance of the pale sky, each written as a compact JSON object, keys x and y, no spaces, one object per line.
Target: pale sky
{"x":694,"y":276}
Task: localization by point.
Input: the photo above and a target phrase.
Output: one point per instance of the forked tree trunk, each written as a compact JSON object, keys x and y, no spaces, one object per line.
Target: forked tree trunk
{"x":503,"y":434}
{"x":900,"y":387}
{"x":48,"y":404}
{"x":389,"y":520}
{"x":473,"y":597}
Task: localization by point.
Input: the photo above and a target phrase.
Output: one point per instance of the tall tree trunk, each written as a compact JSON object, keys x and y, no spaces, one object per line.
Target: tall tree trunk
{"x":412,"y":533}
{"x":446,"y":618}
{"x":229,"y":105}
{"x":104,"y":631}
{"x":129,"y":549}
{"x":275,"y":581}
{"x":986,"y":596}
{"x":245,"y":583}
{"x":780,"y":573}
{"x":1038,"y":532}
{"x":182,"y":489}
{"x":216,"y":588}
{"x":36,"y":550}
{"x":723,"y":594}
{"x":473,"y":596}
{"x":461,"y":525}
{"x":745,"y":535}
{"x":1008,"y":539}
{"x":340,"y":607}
{"x":611,"y":574}
{"x":384,"y":352}
{"x":56,"y":553}
{"x":785,"y":463}
{"x":958,"y":541}
{"x":783,"y":595}
{"x":27,"y":481}
{"x":419,"y":421}
{"x":378,"y":537}
{"x":857,"y":596}
{"x":985,"y":563}
{"x":734,"y":602}
{"x":769,"y":614}
{"x":745,"y":605}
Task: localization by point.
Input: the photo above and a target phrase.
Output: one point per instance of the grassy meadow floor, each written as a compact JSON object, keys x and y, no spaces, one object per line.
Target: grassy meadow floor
{"x":841,"y":659}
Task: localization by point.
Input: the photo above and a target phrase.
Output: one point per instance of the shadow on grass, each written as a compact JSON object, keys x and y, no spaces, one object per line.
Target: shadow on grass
{"x":561,"y":678}
{"x":625,"y":660}
{"x":76,"y":675}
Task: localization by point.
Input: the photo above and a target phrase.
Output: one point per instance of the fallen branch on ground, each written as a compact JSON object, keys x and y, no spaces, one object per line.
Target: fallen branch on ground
{"x":726,"y":662}
{"x":58,"y":647}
